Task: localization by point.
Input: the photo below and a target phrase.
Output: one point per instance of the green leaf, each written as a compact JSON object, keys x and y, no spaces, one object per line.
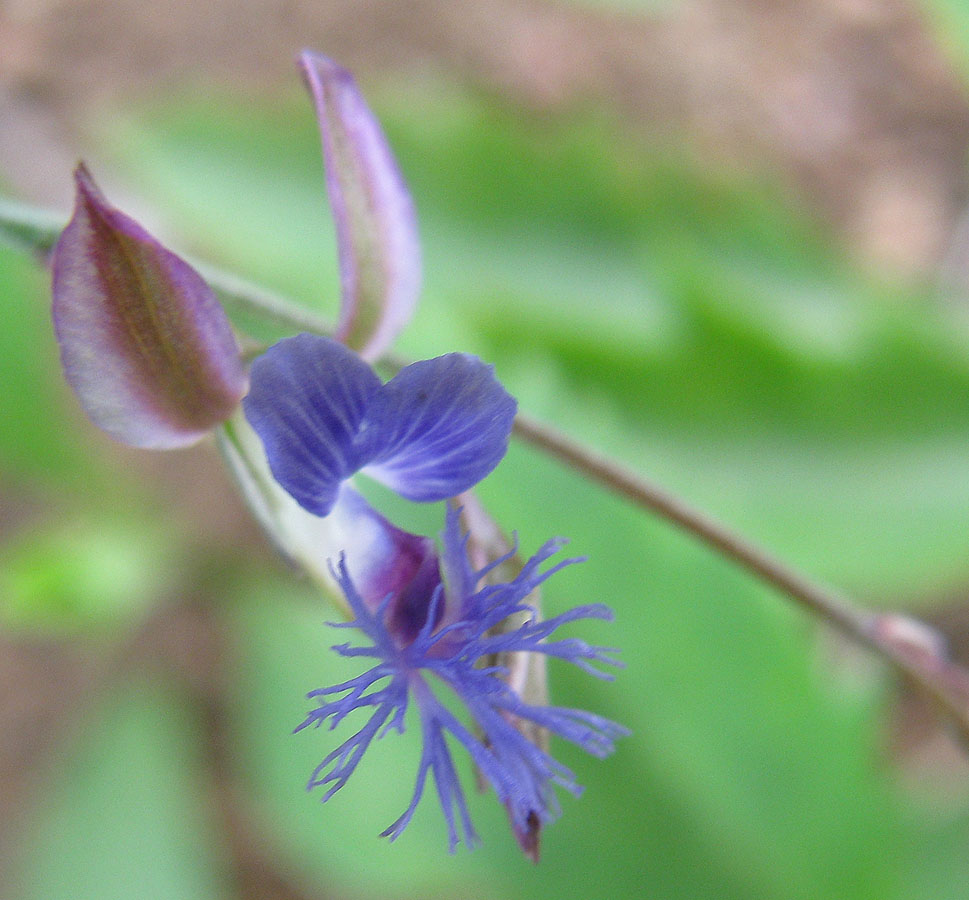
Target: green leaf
{"x":121,"y":815}
{"x":93,"y":572}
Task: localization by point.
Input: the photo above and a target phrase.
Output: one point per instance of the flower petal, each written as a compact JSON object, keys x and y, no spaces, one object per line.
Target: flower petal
{"x":376,"y":229}
{"x":438,"y":427}
{"x":144,"y":343}
{"x":461,"y":656}
{"x":382,"y":560}
{"x":307,"y":402}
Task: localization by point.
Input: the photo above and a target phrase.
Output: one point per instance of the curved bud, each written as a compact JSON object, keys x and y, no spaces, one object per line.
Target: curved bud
{"x":144,"y":342}
{"x":376,"y":229}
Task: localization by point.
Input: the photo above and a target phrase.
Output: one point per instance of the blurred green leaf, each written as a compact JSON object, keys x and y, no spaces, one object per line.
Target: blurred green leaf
{"x":91,"y":573}
{"x":34,"y":441}
{"x":942,"y":869}
{"x":121,"y":817}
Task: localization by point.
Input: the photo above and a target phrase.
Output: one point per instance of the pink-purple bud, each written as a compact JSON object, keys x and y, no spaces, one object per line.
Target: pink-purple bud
{"x":376,"y":229}
{"x":144,"y":342}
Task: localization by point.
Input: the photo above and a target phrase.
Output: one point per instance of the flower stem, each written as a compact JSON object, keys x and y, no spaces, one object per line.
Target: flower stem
{"x":908,"y":645}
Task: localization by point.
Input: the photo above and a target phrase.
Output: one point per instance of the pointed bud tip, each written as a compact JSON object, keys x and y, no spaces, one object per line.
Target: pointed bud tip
{"x":318,"y":66}
{"x":84,"y":182}
{"x":529,"y":837}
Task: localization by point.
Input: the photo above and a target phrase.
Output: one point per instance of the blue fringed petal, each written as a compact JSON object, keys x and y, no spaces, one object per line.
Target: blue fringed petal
{"x":457,"y":654}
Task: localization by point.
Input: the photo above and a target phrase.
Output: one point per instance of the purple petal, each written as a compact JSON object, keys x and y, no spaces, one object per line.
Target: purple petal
{"x":438,"y":427}
{"x":308,"y":398}
{"x":382,"y":560}
{"x":144,"y":343}
{"x":376,"y":229}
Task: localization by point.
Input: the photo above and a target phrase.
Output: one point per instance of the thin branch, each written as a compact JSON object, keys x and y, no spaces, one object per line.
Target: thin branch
{"x":910,"y":646}
{"x":913,"y":648}
{"x":241,"y":295}
{"x":35,"y":230}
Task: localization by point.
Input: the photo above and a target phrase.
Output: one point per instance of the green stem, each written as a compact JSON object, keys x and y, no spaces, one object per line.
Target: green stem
{"x":36,"y":230}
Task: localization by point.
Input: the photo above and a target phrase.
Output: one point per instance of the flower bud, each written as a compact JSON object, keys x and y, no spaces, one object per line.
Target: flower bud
{"x":144,"y":342}
{"x":376,"y":230}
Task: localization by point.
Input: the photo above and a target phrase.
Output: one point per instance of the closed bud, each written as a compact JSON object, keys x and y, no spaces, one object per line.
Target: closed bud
{"x":144,"y":342}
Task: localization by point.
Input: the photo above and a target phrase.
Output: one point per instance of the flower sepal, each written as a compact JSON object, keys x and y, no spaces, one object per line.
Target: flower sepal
{"x":376,"y":228}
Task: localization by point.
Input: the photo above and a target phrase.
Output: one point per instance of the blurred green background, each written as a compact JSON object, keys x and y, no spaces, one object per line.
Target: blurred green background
{"x":714,"y":319}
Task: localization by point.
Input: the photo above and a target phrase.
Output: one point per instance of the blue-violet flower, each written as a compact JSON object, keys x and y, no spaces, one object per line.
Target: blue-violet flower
{"x":445,"y":639}
{"x":435,"y":429}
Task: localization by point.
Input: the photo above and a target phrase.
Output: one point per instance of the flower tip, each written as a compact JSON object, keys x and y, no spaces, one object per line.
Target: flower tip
{"x":318,"y":67}
{"x":89,"y":201}
{"x":529,"y":836}
{"x":84,"y":182}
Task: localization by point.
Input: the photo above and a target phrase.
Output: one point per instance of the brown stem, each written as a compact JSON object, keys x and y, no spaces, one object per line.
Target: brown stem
{"x":911,"y":647}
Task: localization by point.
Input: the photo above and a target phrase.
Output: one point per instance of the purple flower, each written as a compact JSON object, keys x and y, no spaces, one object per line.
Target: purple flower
{"x":446,"y":636}
{"x":151,"y":355}
{"x":144,"y":342}
{"x":434,"y":430}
